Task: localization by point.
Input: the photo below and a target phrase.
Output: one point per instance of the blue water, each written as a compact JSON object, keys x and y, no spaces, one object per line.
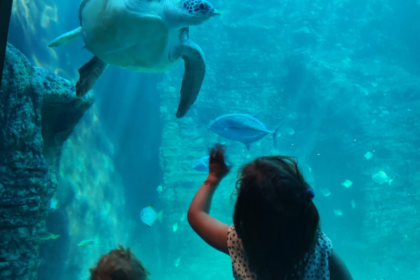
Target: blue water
{"x":343,"y":75}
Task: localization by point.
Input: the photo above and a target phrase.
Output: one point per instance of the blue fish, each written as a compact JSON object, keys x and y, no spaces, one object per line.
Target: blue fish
{"x":202,"y":164}
{"x":243,"y":128}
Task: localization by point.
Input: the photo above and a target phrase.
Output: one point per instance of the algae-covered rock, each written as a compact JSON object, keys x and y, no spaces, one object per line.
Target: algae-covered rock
{"x":38,"y":111}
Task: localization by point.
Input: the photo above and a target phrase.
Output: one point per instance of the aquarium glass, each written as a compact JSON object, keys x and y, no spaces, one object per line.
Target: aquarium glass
{"x":334,"y":83}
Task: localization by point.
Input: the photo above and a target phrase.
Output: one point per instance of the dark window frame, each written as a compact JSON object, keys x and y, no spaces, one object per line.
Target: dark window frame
{"x":5,"y":13}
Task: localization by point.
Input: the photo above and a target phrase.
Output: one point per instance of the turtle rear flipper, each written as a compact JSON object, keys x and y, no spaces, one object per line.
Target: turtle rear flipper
{"x":66,"y":37}
{"x":89,"y":74}
{"x":195,"y":70}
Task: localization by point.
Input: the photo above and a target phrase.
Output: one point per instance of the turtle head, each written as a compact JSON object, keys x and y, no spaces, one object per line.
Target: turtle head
{"x":200,"y":9}
{"x":184,"y":13}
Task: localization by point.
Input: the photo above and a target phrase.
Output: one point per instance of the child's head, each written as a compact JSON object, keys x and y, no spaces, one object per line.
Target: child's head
{"x":119,"y":264}
{"x":275,"y":217}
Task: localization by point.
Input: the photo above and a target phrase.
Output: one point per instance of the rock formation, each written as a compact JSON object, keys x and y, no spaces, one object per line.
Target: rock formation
{"x":38,"y":111}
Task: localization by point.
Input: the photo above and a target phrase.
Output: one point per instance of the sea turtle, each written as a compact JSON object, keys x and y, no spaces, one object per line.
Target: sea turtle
{"x":144,"y":36}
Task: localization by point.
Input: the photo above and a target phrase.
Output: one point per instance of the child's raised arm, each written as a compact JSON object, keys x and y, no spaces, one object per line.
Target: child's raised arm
{"x":208,"y":228}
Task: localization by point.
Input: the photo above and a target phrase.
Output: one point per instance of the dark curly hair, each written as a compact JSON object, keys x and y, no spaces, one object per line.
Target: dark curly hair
{"x":119,"y":264}
{"x":275,"y":218}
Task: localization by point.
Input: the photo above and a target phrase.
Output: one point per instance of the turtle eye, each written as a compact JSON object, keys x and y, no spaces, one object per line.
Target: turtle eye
{"x":203,"y":6}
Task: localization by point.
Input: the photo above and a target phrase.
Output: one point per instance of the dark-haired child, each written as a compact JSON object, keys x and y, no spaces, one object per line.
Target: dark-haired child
{"x":276,"y":233}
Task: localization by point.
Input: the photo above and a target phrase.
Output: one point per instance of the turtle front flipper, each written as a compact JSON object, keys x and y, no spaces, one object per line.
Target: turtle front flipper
{"x":195,"y":70}
{"x":66,"y":38}
{"x":89,"y":74}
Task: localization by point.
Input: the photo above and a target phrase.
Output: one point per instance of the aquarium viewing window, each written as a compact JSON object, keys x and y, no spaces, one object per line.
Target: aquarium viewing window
{"x":108,"y":117}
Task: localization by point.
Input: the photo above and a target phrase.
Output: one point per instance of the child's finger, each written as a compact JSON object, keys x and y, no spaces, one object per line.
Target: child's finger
{"x":212,"y":152}
{"x":221,"y":148}
{"x":220,"y":151}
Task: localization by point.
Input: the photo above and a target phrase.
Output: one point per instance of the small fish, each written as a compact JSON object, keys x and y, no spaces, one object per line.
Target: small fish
{"x":175,"y":227}
{"x":202,"y":164}
{"x":47,"y":235}
{"x":148,"y":215}
{"x":347,"y":183}
{"x":362,"y":89}
{"x":380,"y":177}
{"x":338,"y":212}
{"x":217,"y":13}
{"x":326,"y":192}
{"x":287,"y":130}
{"x":159,"y":189}
{"x":182,"y":217}
{"x":177,"y":261}
{"x":368,"y":155}
{"x":243,"y":128}
{"x":53,"y":204}
{"x":86,"y":242}
{"x":353,"y":203}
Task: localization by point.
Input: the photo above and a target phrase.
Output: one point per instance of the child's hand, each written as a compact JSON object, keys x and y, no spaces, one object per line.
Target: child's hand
{"x":217,"y":165}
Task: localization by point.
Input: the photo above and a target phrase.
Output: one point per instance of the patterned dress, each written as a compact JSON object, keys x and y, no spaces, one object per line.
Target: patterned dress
{"x":316,"y":269}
